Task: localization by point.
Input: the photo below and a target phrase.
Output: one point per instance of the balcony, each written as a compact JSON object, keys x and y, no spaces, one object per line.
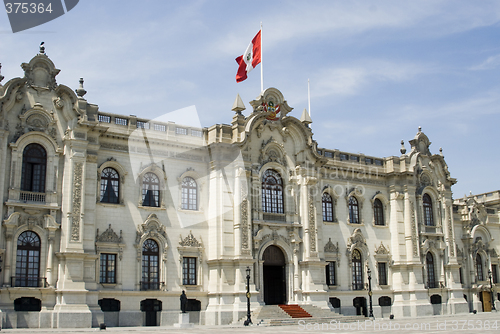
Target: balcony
{"x":147,"y":286}
{"x":28,"y":196}
{"x":28,"y":282}
{"x":274,"y":217}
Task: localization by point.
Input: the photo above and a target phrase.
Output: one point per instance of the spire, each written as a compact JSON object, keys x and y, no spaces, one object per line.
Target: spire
{"x":305,"y":118}
{"x":238,"y":105}
{"x":80,"y":91}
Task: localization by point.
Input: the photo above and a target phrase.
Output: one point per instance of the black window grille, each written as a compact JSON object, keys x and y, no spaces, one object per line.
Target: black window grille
{"x":357,"y":271}
{"x":378,"y":212}
{"x":272,"y":192}
{"x":110,"y":185}
{"x":353,"y":210}
{"x":479,"y":268}
{"x":330,"y":274}
{"x":327,"y":207}
{"x":28,"y":260}
{"x":189,"y":271}
{"x":34,"y":168}
{"x":382,"y":273}
{"x":431,"y":277}
{"x":108,"y":268}
{"x":151,"y":190}
{"x":189,"y":194}
{"x":428,"y":216}
{"x":150,"y":265}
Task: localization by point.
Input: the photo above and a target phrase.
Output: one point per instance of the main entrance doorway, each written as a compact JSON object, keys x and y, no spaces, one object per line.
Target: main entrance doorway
{"x":151,"y":307}
{"x":274,"y":276}
{"x":486,"y":301}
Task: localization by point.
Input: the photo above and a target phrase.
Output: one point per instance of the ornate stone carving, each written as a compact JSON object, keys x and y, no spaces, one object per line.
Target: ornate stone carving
{"x":109,"y":236}
{"x":77,"y":200}
{"x":190,"y":241}
{"x":312,"y":225}
{"x":357,"y":239}
{"x":151,"y":228}
{"x":381,"y":250}
{"x":330,"y":247}
{"x":244,"y":224}
{"x":414,"y":232}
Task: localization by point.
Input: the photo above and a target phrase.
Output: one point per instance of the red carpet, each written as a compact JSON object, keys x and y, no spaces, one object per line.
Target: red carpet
{"x":295,"y":311}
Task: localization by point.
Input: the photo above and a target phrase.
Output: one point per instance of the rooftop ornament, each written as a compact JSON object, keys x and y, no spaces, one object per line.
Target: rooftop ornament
{"x":80,"y":91}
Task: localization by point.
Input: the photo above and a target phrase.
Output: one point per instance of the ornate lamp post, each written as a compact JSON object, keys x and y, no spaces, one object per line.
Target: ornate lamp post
{"x":370,"y":292}
{"x":491,"y":292}
{"x":249,"y":320}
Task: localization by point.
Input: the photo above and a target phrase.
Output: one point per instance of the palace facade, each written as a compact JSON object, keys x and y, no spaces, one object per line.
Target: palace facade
{"x":107,"y":218}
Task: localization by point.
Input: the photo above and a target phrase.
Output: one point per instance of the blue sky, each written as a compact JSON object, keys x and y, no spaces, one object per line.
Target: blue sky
{"x":378,"y":69}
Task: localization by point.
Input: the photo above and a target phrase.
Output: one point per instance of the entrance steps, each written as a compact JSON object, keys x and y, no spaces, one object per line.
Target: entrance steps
{"x":274,"y":315}
{"x":295,"y":311}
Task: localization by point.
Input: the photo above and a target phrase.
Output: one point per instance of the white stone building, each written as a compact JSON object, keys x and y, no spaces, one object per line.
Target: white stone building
{"x":107,"y":218}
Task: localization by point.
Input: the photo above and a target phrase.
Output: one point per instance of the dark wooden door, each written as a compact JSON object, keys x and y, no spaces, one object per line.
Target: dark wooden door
{"x":274,"y":285}
{"x":150,"y":318}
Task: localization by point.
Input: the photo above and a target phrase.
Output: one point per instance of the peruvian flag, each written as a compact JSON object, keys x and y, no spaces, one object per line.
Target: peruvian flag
{"x":249,"y":59}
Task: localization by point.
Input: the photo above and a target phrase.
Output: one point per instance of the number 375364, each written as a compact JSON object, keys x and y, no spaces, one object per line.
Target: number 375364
{"x":27,"y":7}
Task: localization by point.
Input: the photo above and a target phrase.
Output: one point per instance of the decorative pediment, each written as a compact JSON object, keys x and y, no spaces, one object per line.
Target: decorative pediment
{"x":152,"y":228}
{"x":493,"y":253}
{"x":109,"y":236}
{"x":381,"y":250}
{"x":40,"y":72}
{"x":190,"y":241}
{"x":330,"y":247}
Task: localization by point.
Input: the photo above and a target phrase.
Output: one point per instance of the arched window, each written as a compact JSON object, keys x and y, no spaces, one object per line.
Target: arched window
{"x":431,"y":277}
{"x":353,"y":210}
{"x":357,"y":271}
{"x":428,"y":217}
{"x":272,"y":192}
{"x":34,"y":167}
{"x":327,"y":207}
{"x":28,"y":260}
{"x":479,"y":268}
{"x":151,"y":190}
{"x":150,"y":265}
{"x":378,"y":212}
{"x":110,"y":183}
{"x":189,"y":194}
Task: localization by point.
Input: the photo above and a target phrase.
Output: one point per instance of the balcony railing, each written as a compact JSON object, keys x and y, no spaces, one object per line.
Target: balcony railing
{"x":434,"y":285}
{"x":145,"y":286}
{"x":277,"y":217}
{"x":29,"y":196}
{"x":29,"y":282}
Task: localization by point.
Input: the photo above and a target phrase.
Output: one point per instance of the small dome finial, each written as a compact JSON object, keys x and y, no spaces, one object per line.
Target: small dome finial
{"x":403,"y":149}
{"x":42,"y":48}
{"x":441,"y":151}
{"x":80,"y":91}
{"x":419,"y":129}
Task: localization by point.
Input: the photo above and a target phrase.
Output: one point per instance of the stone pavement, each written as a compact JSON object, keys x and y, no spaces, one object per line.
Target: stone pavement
{"x":458,"y":324}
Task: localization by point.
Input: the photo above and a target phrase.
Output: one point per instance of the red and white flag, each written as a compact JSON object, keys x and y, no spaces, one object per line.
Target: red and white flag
{"x":250,"y":58}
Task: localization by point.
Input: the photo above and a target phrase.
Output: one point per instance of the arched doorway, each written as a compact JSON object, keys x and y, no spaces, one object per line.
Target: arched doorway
{"x":274,"y":276}
{"x":151,"y":307}
{"x":360,"y":304}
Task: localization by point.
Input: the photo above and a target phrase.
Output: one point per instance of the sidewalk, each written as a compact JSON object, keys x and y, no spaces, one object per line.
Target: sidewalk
{"x":462,"y":323}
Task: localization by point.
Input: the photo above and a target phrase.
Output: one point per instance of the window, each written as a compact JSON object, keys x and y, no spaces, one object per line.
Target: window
{"x":189,"y":271}
{"x":150,"y":265}
{"x":357,"y":271}
{"x":330,"y":274}
{"x":428,"y":218}
{"x":479,"y":268}
{"x":28,"y":260}
{"x":104,"y":119}
{"x":110,"y":182}
{"x":121,"y":121}
{"x":353,"y":210}
{"x":461,"y":275}
{"x":327,"y":207}
{"x":378,"y":212}
{"x":34,"y":167}
{"x":160,"y":127}
{"x":181,"y":131}
{"x":151,"y":190}
{"x":196,"y":133}
{"x":344,"y":157}
{"x":272,"y":192}
{"x":494,"y":273}
{"x":108,"y":268}
{"x":328,"y":154}
{"x":431,"y":278}
{"x":142,"y":125}
{"x":189,"y":194}
{"x":382,"y":273}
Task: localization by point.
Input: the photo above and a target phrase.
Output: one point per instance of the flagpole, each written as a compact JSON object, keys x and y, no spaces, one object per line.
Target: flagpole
{"x":261,"y":61}
{"x":308,"y":97}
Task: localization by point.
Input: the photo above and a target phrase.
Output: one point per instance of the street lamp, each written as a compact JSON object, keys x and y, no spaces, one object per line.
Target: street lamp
{"x":249,"y":320}
{"x":370,"y":292}
{"x":491,"y":292}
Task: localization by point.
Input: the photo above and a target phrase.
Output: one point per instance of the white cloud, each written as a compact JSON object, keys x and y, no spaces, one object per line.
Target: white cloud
{"x":489,"y":64}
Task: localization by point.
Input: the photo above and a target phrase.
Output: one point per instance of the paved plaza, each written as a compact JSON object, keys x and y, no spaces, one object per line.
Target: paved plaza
{"x":464,"y":323}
